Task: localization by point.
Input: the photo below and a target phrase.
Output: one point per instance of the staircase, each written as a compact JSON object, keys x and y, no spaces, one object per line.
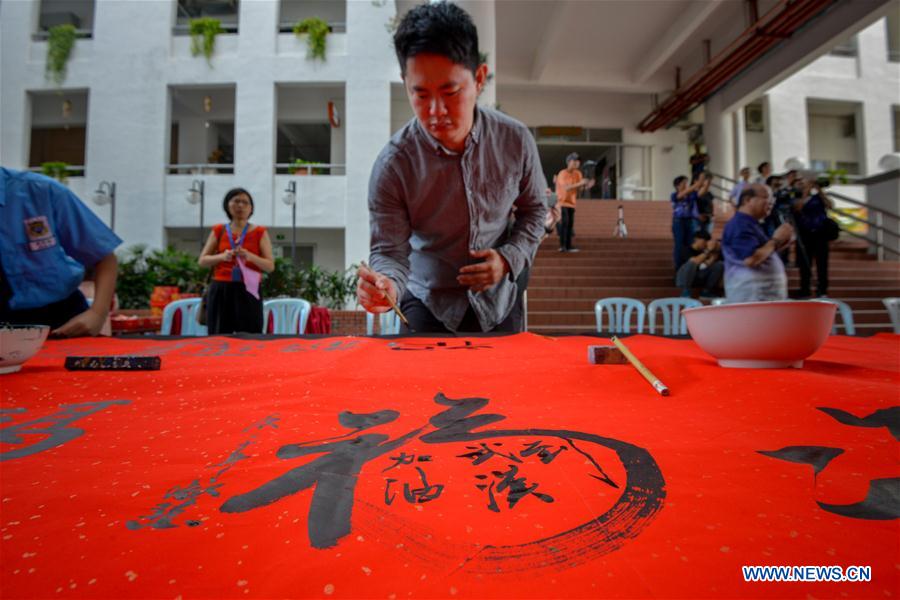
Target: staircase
{"x":564,"y":286}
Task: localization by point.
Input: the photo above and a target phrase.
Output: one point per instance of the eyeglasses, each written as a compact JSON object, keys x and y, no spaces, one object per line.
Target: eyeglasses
{"x":239,"y":201}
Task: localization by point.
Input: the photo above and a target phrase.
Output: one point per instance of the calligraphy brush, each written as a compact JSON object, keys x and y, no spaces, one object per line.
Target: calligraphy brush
{"x":389,"y":299}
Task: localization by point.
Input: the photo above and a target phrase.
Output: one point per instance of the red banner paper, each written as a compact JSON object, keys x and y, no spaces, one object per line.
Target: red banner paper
{"x":480,"y":467}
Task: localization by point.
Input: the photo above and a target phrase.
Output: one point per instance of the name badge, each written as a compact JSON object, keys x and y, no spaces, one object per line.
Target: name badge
{"x":40,"y":237}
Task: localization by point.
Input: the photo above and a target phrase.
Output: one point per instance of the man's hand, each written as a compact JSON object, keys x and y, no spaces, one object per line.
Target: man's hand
{"x":372,"y":288}
{"x":783,"y":234}
{"x":88,"y":323}
{"x":483,"y":275}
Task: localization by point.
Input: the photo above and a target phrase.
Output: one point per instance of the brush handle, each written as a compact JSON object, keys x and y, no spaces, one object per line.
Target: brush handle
{"x":658,"y":385}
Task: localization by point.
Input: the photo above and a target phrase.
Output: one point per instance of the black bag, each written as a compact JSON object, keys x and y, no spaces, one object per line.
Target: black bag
{"x":204,"y":297}
{"x":830,"y":229}
{"x":201,"y":313}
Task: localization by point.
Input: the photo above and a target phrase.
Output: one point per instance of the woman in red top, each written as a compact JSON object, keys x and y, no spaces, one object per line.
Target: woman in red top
{"x":230,"y":306}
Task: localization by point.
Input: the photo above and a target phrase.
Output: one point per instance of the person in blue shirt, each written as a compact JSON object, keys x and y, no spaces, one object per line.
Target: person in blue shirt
{"x":683,"y":200}
{"x":753,"y":270}
{"x":47,"y":239}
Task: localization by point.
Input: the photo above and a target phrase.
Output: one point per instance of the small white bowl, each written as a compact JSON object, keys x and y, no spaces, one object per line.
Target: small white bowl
{"x":18,"y":343}
{"x":761,"y":335}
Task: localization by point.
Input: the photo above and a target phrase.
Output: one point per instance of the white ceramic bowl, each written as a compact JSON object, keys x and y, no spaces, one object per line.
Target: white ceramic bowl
{"x":18,"y":343}
{"x":761,"y":335}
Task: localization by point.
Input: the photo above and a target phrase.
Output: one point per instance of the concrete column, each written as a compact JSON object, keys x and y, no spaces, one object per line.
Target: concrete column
{"x":127,"y":115}
{"x":15,"y":118}
{"x":483,"y":13}
{"x":371,"y":68}
{"x":254,"y":143}
{"x":789,"y":127}
{"x":740,"y":139}
{"x":718,"y":132}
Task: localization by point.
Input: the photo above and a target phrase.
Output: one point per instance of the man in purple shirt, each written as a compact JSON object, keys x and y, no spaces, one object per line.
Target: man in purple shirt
{"x":753,"y":270}
{"x":442,"y":190}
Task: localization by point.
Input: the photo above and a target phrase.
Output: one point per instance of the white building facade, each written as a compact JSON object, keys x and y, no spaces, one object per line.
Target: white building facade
{"x":152,"y":114}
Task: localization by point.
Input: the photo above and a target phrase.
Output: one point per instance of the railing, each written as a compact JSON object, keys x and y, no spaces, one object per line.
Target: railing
{"x":185,"y":29}
{"x":877,"y":227}
{"x":333,"y":27}
{"x":310,"y":168}
{"x":71,"y":170}
{"x":200,"y":169}
{"x":43,"y":36}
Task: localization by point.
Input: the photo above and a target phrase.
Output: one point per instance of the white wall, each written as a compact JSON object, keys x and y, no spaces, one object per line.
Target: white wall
{"x":869,"y":80}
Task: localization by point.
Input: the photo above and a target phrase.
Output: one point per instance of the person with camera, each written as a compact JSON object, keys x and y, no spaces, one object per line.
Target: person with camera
{"x":815,"y":231}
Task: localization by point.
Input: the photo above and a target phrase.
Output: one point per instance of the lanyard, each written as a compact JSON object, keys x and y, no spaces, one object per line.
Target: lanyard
{"x":240,"y":239}
{"x":236,"y":270}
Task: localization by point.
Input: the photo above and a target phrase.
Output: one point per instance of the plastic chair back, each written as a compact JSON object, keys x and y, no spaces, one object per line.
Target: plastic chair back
{"x":388,"y":323}
{"x":893,"y":307}
{"x":189,"y":324}
{"x":846,"y":316}
{"x":620,"y":311}
{"x":673,"y":322}
{"x":289,"y":315}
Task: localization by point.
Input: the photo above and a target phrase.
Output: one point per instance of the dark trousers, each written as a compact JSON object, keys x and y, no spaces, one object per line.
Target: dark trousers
{"x":567,"y":228}
{"x":682,"y":232}
{"x":232,"y":309}
{"x":690,"y":275}
{"x":813,"y":246}
{"x":55,"y":315}
{"x":421,"y":320}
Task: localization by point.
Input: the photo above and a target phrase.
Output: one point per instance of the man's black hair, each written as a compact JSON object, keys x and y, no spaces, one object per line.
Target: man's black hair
{"x":441,"y":28}
{"x":747,"y":194}
{"x":762,"y":165}
{"x":772,"y":179}
{"x":231,"y":194}
{"x":702,"y":234}
{"x":677,"y":181}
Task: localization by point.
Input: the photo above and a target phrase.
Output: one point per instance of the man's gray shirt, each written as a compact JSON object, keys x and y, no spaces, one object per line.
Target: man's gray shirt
{"x":428,"y":207}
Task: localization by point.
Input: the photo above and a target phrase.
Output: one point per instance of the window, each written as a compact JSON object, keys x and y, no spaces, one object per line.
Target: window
{"x":333,"y":12}
{"x":846,"y":48}
{"x":58,"y":129}
{"x":310,"y":129}
{"x":202,"y":129}
{"x":892,"y":22}
{"x":226,"y":11}
{"x":78,"y":13}
{"x":833,"y":137}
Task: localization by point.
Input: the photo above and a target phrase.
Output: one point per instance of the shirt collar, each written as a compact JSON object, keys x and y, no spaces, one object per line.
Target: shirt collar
{"x":473,"y":138}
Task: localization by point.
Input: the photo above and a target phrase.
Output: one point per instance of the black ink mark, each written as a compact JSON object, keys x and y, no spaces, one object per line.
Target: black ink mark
{"x":882,"y":502}
{"x":333,"y":476}
{"x":542,"y":450}
{"x":55,"y":426}
{"x":426,"y":493}
{"x":817,"y":456}
{"x":483,"y":454}
{"x":885,"y":417}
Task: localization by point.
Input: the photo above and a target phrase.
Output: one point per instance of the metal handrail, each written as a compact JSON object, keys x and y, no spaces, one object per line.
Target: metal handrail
{"x":878,"y":228}
{"x":830,"y":193}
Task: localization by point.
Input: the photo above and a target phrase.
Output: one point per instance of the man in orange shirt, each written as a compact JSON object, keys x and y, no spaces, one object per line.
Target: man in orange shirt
{"x":568,"y":182}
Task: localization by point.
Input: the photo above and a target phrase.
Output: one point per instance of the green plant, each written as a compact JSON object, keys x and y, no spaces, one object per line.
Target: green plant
{"x":57,"y":170}
{"x":317,"y":31}
{"x":59,"y":47}
{"x":203,"y":36}
{"x":140,"y":271}
{"x":299,"y":165}
{"x":837,"y":176}
{"x":339,"y":287}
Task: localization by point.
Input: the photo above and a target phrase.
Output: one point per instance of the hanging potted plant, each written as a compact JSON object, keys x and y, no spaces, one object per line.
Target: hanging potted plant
{"x":57,"y":170}
{"x":60,"y":42}
{"x":301,"y":167}
{"x":316,"y":31}
{"x":203,"y":36}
